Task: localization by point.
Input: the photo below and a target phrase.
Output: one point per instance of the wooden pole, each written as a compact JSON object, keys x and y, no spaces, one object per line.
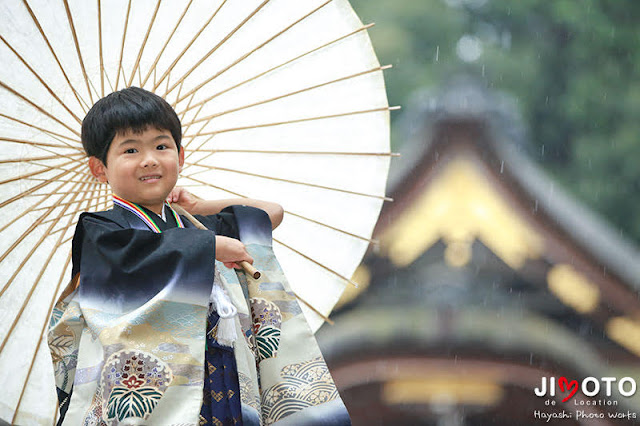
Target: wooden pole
{"x":244,"y":264}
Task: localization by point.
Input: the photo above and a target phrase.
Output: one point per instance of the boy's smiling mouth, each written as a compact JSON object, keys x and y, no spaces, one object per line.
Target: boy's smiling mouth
{"x":150,"y":177}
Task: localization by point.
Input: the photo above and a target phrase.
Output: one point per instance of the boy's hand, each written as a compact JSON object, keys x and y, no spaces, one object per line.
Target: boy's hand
{"x":183,"y":198}
{"x":231,"y":252}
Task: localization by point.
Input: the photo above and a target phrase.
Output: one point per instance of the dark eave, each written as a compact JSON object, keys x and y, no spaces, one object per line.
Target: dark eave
{"x":465,"y":101}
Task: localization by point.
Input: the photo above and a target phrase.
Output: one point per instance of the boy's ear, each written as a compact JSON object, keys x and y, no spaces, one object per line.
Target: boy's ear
{"x":98,"y":169}
{"x":181,"y":159}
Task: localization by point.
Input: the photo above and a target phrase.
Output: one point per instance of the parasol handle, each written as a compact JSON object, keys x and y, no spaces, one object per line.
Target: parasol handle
{"x":248,"y":268}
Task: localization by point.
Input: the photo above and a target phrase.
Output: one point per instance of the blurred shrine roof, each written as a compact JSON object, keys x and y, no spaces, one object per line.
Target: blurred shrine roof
{"x":487,"y":277}
{"x":475,"y":222}
{"x":500,"y":141}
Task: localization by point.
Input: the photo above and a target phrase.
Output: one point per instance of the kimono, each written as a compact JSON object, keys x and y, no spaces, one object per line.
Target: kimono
{"x":131,"y":337}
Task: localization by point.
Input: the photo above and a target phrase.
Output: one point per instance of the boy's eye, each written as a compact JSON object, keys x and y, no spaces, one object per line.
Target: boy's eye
{"x":131,"y":151}
{"x":161,"y":147}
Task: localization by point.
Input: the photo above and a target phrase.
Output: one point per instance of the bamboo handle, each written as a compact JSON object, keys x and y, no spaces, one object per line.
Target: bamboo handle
{"x":248,"y":268}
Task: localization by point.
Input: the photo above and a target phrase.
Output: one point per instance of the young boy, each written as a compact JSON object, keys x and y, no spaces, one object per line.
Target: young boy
{"x":132,"y":138}
{"x":133,"y":335}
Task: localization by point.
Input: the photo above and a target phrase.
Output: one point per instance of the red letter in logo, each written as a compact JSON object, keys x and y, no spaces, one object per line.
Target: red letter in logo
{"x":565,"y":385}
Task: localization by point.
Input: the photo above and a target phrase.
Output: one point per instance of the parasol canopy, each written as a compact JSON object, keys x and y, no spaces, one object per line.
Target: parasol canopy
{"x":280,"y":100}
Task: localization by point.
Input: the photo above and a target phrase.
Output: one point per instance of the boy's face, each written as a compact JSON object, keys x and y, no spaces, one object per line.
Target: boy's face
{"x":142,"y":167}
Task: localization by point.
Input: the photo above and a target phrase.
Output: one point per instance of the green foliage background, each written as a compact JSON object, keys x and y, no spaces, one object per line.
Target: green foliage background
{"x":572,"y":65}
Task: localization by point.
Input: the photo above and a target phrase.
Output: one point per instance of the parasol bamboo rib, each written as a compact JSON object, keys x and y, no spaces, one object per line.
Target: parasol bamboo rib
{"x":28,"y":192}
{"x":167,"y":85}
{"x":106,"y":198}
{"x":187,"y":142}
{"x":60,"y":180}
{"x":73,"y":213}
{"x":40,"y":109}
{"x":246,"y":55}
{"x":75,"y":40}
{"x":310,"y":306}
{"x":186,"y":129}
{"x":188,"y":126}
{"x":98,"y":199}
{"x":46,"y":86}
{"x":98,"y":194}
{"x":227,"y":37}
{"x":181,"y":54}
{"x":43,"y":130}
{"x":178,"y":95}
{"x":317,"y":263}
{"x":38,"y":144}
{"x":81,"y":101}
{"x":139,"y":74}
{"x":109,"y":81}
{"x":144,"y":43}
{"x":30,"y":209}
{"x":35,"y":209}
{"x":296,"y":92}
{"x":98,"y":191}
{"x":286,"y":211}
{"x":59,"y":154}
{"x":68,"y":239}
{"x":40,"y":339}
{"x":299,"y":120}
{"x":47,"y":169}
{"x":100,"y":54}
{"x":94,"y":88}
{"x":192,"y":151}
{"x":369,"y":240}
{"x":32,"y":190}
{"x":124,"y":35}
{"x":57,"y":230}
{"x":208,"y":119}
{"x":101,"y":199}
{"x":183,"y":114}
{"x":29,"y":177}
{"x":57,"y":167}
{"x":27,"y":160}
{"x":41,"y":273}
{"x":312,"y":185}
{"x":166,"y":43}
{"x":94,"y":197}
{"x":204,"y":101}
{"x":245,"y":265}
{"x":258,"y":151}
{"x":28,"y":256}
{"x":63,"y":229}
{"x":48,"y":195}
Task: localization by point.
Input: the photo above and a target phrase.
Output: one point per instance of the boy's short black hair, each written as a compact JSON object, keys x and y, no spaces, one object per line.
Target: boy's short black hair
{"x":133,"y":109}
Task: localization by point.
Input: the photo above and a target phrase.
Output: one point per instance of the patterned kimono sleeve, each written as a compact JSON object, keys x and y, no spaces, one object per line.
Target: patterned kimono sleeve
{"x":65,"y":330}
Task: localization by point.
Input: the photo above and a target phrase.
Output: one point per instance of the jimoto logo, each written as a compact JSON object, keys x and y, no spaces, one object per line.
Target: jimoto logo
{"x":590,"y":387}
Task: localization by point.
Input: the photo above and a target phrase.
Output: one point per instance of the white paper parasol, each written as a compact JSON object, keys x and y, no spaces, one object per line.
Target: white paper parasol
{"x":280,"y":100}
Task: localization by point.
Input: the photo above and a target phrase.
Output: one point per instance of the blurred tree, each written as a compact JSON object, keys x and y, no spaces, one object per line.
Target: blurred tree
{"x":573,"y":67}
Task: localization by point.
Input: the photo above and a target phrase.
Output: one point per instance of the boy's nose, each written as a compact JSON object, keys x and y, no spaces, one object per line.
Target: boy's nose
{"x":149,"y":161}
